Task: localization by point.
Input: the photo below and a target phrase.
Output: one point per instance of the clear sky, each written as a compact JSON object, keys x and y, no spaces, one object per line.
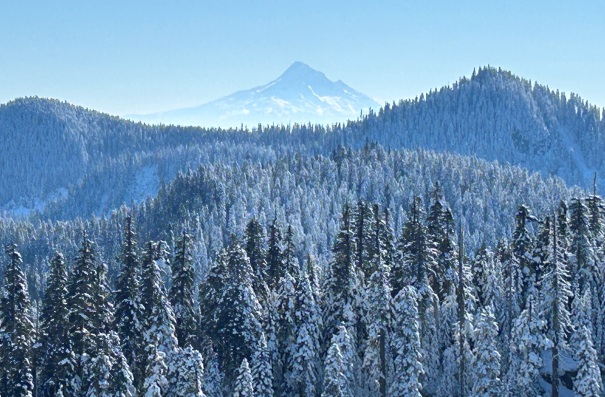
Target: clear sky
{"x":132,"y":56}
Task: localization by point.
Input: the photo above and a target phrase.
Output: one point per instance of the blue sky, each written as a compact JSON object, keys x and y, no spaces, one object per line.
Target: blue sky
{"x":133,"y":56}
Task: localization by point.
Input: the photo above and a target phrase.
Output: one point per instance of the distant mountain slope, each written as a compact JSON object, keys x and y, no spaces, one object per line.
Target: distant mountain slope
{"x":498,"y":116}
{"x":301,"y":94}
{"x":51,"y":149}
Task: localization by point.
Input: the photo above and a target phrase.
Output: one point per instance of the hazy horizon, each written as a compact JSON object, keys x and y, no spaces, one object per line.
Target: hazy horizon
{"x":147,"y":57}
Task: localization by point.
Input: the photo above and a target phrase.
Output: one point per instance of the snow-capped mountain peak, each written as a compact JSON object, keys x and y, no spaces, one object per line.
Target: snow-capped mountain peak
{"x":301,"y":94}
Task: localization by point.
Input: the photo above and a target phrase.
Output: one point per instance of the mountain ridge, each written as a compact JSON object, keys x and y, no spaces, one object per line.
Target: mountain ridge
{"x":99,"y":158}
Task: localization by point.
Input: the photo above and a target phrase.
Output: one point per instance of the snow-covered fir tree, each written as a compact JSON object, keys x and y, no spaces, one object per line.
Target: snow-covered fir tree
{"x":55,"y":347}
{"x":588,"y":381}
{"x":336,"y":383}
{"x":244,"y":384}
{"x":486,"y":366}
{"x":306,"y":359}
{"x":262,"y":372}
{"x":186,"y":374}
{"x":16,"y":330}
{"x":128,"y":310}
{"x":182,"y":291}
{"x":377,"y":360}
{"x":405,"y":342}
{"x":213,"y":377}
{"x":527,"y":344}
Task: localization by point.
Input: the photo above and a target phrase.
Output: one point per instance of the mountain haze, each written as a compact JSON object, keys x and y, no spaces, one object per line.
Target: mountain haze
{"x":300,"y":95}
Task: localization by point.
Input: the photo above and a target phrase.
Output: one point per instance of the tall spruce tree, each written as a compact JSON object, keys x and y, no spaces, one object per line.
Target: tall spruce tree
{"x":378,"y":314}
{"x":274,"y":255}
{"x":335,"y":381}
{"x":486,"y":366}
{"x":235,"y":324}
{"x":527,"y":344}
{"x":582,"y":261}
{"x":159,"y":337}
{"x":255,"y":248}
{"x":341,"y":281}
{"x":262,"y":373}
{"x":306,"y":358}
{"x":213,"y":377}
{"x":85,"y":317}
{"x":557,"y":295}
{"x":244,"y":384}
{"x":54,"y":327}
{"x":522,"y":248}
{"x":182,"y":292}
{"x":405,"y":343}
{"x":418,"y":252}
{"x":186,"y":374}
{"x":440,"y":228}
{"x":16,"y":330}
{"x":290,"y":260}
{"x":128,"y":309}
{"x":588,"y":382}
{"x":362,"y":225}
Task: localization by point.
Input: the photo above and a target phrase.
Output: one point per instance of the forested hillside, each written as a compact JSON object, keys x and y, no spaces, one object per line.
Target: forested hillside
{"x":106,"y":161}
{"x":389,"y":314}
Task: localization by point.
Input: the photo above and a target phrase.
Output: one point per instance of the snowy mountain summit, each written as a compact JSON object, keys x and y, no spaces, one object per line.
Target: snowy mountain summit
{"x":301,"y":94}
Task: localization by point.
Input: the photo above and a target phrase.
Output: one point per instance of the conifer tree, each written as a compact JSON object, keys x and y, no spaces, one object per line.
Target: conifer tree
{"x":341,"y":281}
{"x":101,"y":293}
{"x":527,"y":344}
{"x":588,"y":382}
{"x":99,"y":373}
{"x":158,"y":321}
{"x":465,"y":305}
{"x":213,"y":377}
{"x":378,"y":311}
{"x":481,"y":274}
{"x":81,"y":303}
{"x":85,"y":317}
{"x":596,"y":211}
{"x":122,"y":378}
{"x":244,"y":384}
{"x":351,"y":365}
{"x":182,"y":292}
{"x":274,"y":255}
{"x":286,"y":333}
{"x":335,"y":382}
{"x":257,"y":255}
{"x":262,"y":373}
{"x":582,"y":260}
{"x":306,"y":361}
{"x":440,"y":229}
{"x":362,"y":225}
{"x":54,"y":327}
{"x":522,"y":247}
{"x":486,"y":367}
{"x":211,"y":291}
{"x":510,"y":306}
{"x":186,"y":374}
{"x":155,"y":373}
{"x":417,"y":264}
{"x":235,"y":324}
{"x":541,"y":251}
{"x":557,"y":295}
{"x":406,"y":345}
{"x":290,"y":261}
{"x":128,"y":310}
{"x":16,"y":330}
